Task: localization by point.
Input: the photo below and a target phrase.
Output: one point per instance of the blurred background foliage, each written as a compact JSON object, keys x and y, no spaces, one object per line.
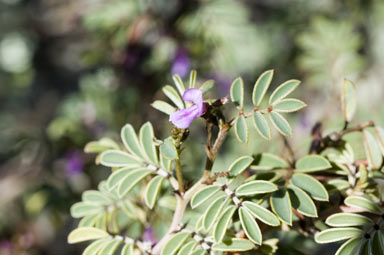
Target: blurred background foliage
{"x":73,"y":71}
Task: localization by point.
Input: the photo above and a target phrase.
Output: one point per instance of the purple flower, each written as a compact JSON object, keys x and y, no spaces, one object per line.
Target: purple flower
{"x":184,"y":117}
{"x":181,"y":63}
{"x":74,"y":163}
{"x":149,"y":236}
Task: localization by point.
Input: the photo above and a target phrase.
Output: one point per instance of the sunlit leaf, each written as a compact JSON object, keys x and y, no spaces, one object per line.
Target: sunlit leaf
{"x":128,"y":135}
{"x":131,"y":179}
{"x":337,"y":234}
{"x":363,"y":204}
{"x":280,"y":123}
{"x":372,"y":150}
{"x":172,"y":94}
{"x":152,"y":190}
{"x":255,"y":187}
{"x":213,"y":212}
{"x":179,"y":83}
{"x":268,"y":161}
{"x":289,"y":105}
{"x":261,"y":213}
{"x":192,"y":79}
{"x":81,"y":209}
{"x":283,"y":90}
{"x":250,"y":226}
{"x":174,"y":243}
{"x":223,"y":223}
{"x":239,"y":165}
{"x":86,"y":234}
{"x":168,"y":149}
{"x":203,"y":195}
{"x":349,"y":247}
{"x":116,"y":158}
{"x":312,"y":163}
{"x":261,"y":87}
{"x":348,"y":220}
{"x":348,"y":100}
{"x":310,"y":185}
{"x":163,"y":107}
{"x":234,"y":244}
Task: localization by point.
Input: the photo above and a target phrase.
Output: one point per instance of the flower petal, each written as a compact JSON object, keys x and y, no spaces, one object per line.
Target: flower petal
{"x":183,"y":118}
{"x":194,"y":96}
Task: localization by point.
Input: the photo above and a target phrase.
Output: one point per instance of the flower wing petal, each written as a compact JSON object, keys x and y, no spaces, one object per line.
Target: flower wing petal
{"x":195,"y":96}
{"x":183,"y":118}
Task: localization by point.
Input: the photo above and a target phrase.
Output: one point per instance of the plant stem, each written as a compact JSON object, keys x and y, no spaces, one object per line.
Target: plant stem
{"x":183,"y":200}
{"x":179,"y":175}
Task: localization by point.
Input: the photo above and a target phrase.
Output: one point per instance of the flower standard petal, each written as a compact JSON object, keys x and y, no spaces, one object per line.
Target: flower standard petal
{"x":183,"y":118}
{"x":195,"y":96}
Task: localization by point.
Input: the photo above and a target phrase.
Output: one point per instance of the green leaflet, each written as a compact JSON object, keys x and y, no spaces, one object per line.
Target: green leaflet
{"x":255,"y":187}
{"x":223,"y":223}
{"x":100,"y":146}
{"x":337,"y":234}
{"x":163,"y":107}
{"x":234,"y":244}
{"x":129,"y":138}
{"x":268,"y":161}
{"x":237,"y":92}
{"x":110,"y":247}
{"x":172,"y":94}
{"x":261,"y":125}
{"x":192,"y":79}
{"x":302,"y":202}
{"x":203,"y":195}
{"x":88,"y":220}
{"x":175,"y":243}
{"x":207,"y":85}
{"x":95,"y":197}
{"x":241,"y":129}
{"x":187,"y":248}
{"x":372,"y":150}
{"x":80,"y":209}
{"x":349,"y":247}
{"x":179,"y":83}
{"x":261,"y":87}
{"x":312,"y":163}
{"x":127,"y":249}
{"x":86,"y":234}
{"x":152,"y":190}
{"x":280,"y":123}
{"x":131,"y":179}
{"x":289,"y":105}
{"x":348,"y":100}
{"x":250,"y":226}
{"x":116,"y":158}
{"x":168,"y":149}
{"x":281,"y":205}
{"x":117,"y":177}
{"x":239,"y":165}
{"x":261,"y":213}
{"x":310,"y":185}
{"x":147,"y":139}
{"x":283,"y":90}
{"x":213,"y":212}
{"x":94,"y":247}
{"x":363,"y":203}
{"x":348,"y":220}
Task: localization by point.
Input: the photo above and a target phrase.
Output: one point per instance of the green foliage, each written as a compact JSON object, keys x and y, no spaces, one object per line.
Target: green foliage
{"x":226,"y":211}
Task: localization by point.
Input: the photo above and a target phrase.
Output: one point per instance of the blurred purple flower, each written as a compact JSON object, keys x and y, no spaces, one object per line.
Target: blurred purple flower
{"x":149,"y":236}
{"x":181,"y":63}
{"x":184,"y":117}
{"x":6,"y":247}
{"x":74,"y":163}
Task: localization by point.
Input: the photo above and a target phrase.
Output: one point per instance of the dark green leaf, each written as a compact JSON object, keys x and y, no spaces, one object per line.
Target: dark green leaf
{"x":241,"y":129}
{"x":281,"y":205}
{"x":250,"y":226}
{"x":261,"y":125}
